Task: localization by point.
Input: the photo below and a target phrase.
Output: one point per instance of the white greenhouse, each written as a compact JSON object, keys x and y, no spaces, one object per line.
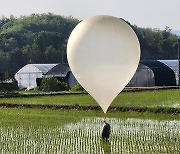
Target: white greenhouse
{"x":144,"y":77}
{"x":149,"y":73}
{"x":156,"y":73}
{"x":27,"y":76}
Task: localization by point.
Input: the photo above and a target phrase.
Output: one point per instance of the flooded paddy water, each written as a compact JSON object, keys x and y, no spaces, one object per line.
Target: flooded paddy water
{"x":128,"y":136}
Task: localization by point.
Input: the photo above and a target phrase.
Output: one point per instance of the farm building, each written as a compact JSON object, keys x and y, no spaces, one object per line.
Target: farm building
{"x":164,"y":75}
{"x":174,"y":65}
{"x":149,"y":73}
{"x":144,"y":77}
{"x":28,"y":75}
{"x":156,"y":73}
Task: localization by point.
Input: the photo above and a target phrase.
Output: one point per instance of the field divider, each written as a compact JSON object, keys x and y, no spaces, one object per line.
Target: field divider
{"x":78,"y":107}
{"x":126,"y":89}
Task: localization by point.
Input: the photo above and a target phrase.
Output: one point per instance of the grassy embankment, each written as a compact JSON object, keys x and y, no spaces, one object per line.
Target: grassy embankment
{"x":153,"y":101}
{"x":48,"y":117}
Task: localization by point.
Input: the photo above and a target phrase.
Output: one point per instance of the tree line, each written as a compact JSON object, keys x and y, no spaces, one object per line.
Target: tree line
{"x":42,"y":38}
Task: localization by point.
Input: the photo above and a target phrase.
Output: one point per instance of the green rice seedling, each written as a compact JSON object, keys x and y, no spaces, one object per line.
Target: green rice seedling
{"x":128,"y":135}
{"x":162,"y":99}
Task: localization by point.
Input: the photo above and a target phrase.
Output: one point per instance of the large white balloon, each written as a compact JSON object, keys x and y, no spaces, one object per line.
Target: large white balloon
{"x":103,"y":53}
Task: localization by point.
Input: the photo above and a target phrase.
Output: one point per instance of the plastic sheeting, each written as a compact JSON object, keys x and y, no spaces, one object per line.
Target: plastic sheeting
{"x":174,"y":65}
{"x":144,"y":77}
{"x":26,"y":76}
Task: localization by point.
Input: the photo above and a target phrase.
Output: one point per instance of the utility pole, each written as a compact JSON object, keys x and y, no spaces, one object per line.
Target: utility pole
{"x":62,"y":58}
{"x":178,"y":61}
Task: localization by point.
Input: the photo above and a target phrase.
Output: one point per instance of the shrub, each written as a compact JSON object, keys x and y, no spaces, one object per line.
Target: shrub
{"x":8,"y":86}
{"x":77,"y":87}
{"x":52,"y":84}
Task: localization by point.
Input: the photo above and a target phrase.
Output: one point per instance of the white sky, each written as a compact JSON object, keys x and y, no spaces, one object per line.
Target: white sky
{"x":143,"y":13}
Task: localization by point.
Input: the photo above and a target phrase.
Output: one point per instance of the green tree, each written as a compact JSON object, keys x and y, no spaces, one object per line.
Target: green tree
{"x":77,"y":87}
{"x":53,"y":84}
{"x":42,"y":38}
{"x":38,"y":38}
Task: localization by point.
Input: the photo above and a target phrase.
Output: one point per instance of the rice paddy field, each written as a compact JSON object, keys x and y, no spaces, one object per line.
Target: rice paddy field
{"x":72,"y":131}
{"x":150,"y":99}
{"x":51,"y":131}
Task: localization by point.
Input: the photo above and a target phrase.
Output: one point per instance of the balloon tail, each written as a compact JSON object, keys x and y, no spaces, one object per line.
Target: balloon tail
{"x":105,"y":116}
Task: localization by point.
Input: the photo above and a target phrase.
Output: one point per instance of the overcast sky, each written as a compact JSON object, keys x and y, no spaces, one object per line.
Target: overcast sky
{"x":143,"y":13}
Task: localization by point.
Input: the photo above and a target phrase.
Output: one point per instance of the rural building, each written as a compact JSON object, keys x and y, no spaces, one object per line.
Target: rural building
{"x":149,"y":73}
{"x":155,"y":73}
{"x":144,"y":77}
{"x":163,"y":74}
{"x":28,"y":75}
{"x":174,"y":65}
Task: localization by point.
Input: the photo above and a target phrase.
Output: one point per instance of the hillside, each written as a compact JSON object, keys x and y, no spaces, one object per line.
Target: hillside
{"x":42,"y":38}
{"x":33,"y":39}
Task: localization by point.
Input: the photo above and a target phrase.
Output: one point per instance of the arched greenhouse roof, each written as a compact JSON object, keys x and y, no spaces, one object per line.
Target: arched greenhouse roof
{"x":164,"y":75}
{"x":144,"y":77}
{"x":32,"y":68}
{"x":44,"y":67}
{"x":173,"y":64}
{"x":59,"y":70}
